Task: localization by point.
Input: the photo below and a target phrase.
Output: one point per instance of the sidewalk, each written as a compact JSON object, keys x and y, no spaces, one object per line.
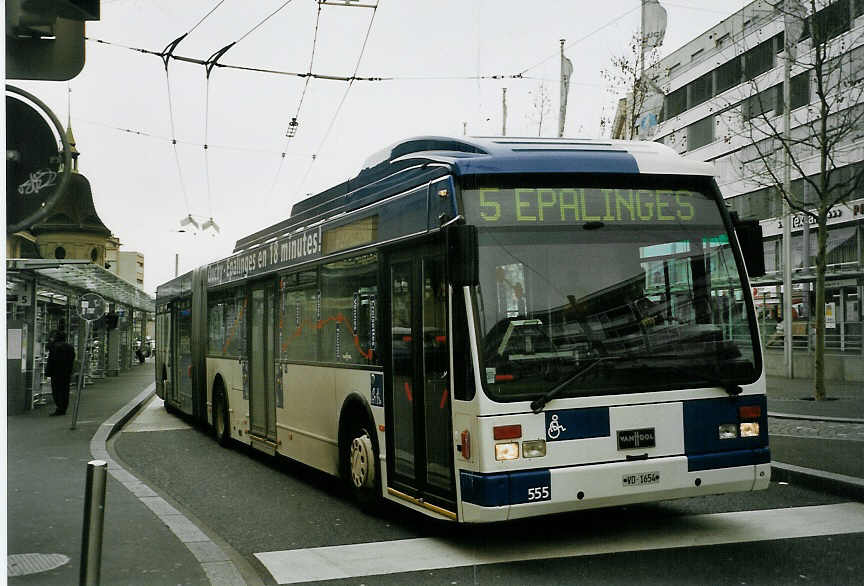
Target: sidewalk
{"x":817,"y":443}
{"x":46,"y":471}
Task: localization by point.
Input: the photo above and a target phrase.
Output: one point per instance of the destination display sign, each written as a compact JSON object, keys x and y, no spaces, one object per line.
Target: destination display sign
{"x":548,"y":206}
{"x":284,"y":252}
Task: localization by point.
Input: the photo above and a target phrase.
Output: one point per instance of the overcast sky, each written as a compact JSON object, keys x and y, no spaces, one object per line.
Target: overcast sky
{"x":137,"y":187}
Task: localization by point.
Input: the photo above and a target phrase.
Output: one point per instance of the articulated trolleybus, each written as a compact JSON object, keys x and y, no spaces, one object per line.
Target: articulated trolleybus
{"x":488,"y":329}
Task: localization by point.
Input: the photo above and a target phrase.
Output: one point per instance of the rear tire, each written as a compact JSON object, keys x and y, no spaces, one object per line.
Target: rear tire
{"x":221,"y":420}
{"x":361,"y":465}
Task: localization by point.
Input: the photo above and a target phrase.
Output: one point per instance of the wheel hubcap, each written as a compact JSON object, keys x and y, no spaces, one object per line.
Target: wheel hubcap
{"x":362,"y":466}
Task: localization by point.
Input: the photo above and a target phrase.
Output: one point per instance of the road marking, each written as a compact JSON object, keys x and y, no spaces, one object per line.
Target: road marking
{"x":412,"y":555}
{"x":154,"y":417}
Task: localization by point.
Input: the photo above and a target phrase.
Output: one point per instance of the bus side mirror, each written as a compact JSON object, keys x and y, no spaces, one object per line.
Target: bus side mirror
{"x":462,"y":264}
{"x":750,"y":238}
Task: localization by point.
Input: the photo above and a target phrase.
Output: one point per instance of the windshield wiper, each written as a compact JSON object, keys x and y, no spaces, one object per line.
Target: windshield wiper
{"x":538,"y":404}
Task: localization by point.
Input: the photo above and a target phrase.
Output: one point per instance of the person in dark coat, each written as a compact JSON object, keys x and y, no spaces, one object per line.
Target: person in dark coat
{"x":61,"y":356}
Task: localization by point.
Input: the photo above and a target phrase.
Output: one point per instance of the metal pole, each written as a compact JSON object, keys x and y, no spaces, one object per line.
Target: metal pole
{"x":503,"y":111}
{"x":79,"y":385}
{"x":787,"y":220}
{"x":94,"y":516}
{"x":176,"y":264}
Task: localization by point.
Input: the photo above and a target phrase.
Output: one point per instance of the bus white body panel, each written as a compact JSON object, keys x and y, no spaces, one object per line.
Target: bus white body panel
{"x":308,"y":422}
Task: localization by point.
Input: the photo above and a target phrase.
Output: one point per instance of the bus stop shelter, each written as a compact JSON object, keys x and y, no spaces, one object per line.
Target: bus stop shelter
{"x":41,"y":299}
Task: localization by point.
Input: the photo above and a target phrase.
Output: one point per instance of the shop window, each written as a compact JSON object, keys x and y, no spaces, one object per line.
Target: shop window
{"x":60,"y":252}
{"x":299,"y":317}
{"x":346,"y":328}
{"x":700,"y":133}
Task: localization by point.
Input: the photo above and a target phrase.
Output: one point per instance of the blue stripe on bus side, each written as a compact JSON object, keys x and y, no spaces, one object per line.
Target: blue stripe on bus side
{"x":508,"y":488}
{"x":486,"y":490}
{"x":570,"y":424}
{"x":699,"y":462}
{"x":702,"y":418}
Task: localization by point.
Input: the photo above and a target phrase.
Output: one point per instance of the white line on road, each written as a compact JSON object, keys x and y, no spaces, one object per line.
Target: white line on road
{"x":411,"y":555}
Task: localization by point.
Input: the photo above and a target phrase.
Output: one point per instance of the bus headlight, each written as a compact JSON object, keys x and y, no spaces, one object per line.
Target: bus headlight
{"x":728,"y":431}
{"x":750,"y":429}
{"x":534,"y":449}
{"x":507,"y":451}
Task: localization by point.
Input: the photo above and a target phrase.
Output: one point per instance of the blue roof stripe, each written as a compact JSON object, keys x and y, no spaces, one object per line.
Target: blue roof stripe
{"x":569,"y":161}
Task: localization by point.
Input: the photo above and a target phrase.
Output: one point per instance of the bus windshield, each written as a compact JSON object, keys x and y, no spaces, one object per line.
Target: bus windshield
{"x":608,"y":290}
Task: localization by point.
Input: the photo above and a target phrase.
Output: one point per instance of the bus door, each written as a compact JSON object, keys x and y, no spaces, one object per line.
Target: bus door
{"x":262,"y":396}
{"x":418,"y":409}
{"x":180,"y":393}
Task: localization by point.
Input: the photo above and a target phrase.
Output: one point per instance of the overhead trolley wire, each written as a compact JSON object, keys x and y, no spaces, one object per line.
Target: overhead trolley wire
{"x":293,"y":123}
{"x":580,"y":39}
{"x":344,"y":95}
{"x":212,"y":62}
{"x":166,"y":55}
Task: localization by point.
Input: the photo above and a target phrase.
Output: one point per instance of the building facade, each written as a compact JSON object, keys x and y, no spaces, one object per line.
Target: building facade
{"x":721,"y":99}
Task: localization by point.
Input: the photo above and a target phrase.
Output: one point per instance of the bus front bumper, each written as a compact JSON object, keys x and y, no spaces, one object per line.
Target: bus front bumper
{"x":514,"y":495}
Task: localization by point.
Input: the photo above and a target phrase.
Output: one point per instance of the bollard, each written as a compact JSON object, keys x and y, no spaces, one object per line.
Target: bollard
{"x":94,"y":515}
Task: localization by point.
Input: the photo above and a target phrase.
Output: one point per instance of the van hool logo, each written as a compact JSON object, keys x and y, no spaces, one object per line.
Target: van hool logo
{"x":636,"y":438}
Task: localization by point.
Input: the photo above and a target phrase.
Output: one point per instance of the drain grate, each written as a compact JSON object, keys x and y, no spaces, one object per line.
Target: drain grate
{"x":24,"y":564}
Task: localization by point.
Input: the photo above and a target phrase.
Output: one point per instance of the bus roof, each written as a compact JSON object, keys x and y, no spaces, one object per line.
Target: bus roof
{"x":399,"y":165}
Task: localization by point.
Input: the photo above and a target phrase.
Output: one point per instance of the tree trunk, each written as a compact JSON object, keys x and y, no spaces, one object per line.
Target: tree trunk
{"x":821,"y":265}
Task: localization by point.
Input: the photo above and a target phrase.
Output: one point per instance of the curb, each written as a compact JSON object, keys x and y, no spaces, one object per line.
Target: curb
{"x":839,"y":484}
{"x":217,"y":565}
{"x":816,"y":418}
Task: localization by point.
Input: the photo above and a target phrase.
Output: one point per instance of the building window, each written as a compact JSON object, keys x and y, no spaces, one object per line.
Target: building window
{"x":700,"y":90}
{"x":759,"y":59}
{"x":765,"y":102}
{"x":728,"y":75}
{"x":830,"y":22}
{"x":700,"y":133}
{"x":799,"y":89}
{"x":676,"y":102}
{"x":59,"y":252}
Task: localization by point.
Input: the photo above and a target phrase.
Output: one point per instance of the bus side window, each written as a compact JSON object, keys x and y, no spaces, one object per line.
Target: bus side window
{"x":462,"y":372}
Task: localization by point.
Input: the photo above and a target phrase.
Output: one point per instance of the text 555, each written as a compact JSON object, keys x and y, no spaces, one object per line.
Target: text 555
{"x":539,"y":493}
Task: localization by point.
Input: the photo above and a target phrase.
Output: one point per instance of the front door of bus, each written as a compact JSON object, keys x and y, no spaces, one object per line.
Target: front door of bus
{"x":419,"y":440}
{"x":262,"y":403}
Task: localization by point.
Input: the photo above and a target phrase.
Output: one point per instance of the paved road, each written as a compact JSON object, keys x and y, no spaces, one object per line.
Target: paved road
{"x":291,"y":524}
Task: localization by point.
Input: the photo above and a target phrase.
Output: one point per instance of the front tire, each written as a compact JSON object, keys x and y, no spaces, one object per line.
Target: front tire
{"x":361,"y":465}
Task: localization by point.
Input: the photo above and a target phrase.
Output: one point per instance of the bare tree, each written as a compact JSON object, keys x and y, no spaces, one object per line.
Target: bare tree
{"x":541,"y":106}
{"x":828,"y":78}
{"x":629,"y":76}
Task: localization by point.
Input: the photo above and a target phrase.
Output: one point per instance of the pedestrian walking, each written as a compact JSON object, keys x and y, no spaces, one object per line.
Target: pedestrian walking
{"x":61,"y":356}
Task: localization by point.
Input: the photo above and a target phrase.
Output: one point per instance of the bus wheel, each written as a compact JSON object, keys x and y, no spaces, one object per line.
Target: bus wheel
{"x":221,"y":422}
{"x":362,"y":466}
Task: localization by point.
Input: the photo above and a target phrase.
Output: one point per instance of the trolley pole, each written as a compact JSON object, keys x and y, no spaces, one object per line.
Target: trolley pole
{"x":94,"y":517}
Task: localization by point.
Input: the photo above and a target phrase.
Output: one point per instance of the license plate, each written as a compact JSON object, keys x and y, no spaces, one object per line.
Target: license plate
{"x":641,"y":478}
{"x":629,"y":439}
